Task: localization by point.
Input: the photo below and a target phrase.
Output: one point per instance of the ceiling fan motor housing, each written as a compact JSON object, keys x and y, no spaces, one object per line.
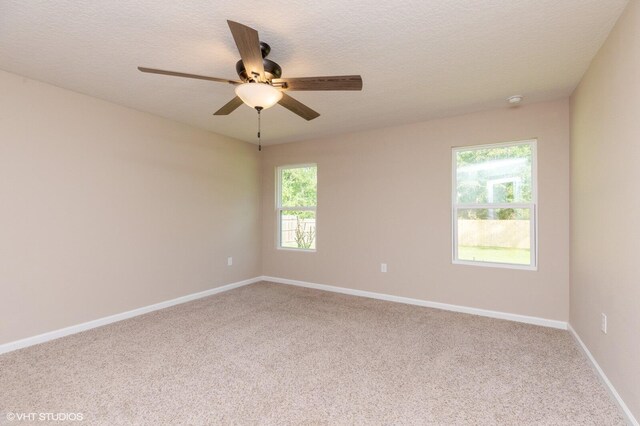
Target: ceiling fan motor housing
{"x":271,"y":69}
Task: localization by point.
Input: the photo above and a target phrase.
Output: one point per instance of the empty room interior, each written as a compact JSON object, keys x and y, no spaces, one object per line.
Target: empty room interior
{"x":412,"y":212}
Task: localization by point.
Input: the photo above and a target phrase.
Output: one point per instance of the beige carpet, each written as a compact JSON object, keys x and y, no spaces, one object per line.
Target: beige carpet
{"x":270,"y":353}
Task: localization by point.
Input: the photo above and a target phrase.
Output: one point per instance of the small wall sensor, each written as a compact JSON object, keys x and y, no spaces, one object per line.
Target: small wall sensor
{"x":515,"y":100}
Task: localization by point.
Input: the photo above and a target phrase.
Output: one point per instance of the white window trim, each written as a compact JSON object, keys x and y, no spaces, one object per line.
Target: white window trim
{"x":533,"y":205}
{"x":280,"y":209}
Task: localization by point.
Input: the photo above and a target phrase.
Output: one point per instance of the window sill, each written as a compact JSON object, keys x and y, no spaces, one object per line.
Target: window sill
{"x":296,"y":249}
{"x":495,"y":265}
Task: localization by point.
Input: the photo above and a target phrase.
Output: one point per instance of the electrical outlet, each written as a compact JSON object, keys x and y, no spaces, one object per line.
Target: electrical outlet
{"x":383,"y":267}
{"x":229,"y":261}
{"x":603,"y":323}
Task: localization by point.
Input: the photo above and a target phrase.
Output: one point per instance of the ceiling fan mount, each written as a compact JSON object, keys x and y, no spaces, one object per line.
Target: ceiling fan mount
{"x":271,"y":69}
{"x":261,"y":84}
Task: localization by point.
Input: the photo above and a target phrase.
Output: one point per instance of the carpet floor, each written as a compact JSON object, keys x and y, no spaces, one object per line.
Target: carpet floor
{"x":275,"y":354}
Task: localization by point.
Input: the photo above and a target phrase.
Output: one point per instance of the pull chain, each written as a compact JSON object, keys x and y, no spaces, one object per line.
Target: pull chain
{"x":259,"y":143}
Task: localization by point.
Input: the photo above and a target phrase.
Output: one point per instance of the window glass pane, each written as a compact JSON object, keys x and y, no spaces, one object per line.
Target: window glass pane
{"x":298,"y":229}
{"x":494,"y":175}
{"x":299,"y":187}
{"x":495,"y":235}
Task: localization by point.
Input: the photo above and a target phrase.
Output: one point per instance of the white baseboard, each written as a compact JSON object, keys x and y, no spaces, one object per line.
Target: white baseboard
{"x":627,"y":412}
{"x":407,"y":300}
{"x":51,"y":335}
{"x":45,"y":337}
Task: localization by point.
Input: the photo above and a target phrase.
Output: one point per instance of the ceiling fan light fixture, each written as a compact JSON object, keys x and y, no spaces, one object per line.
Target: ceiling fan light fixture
{"x":258,"y":94}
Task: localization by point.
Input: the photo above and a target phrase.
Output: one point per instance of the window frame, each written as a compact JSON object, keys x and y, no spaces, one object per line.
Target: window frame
{"x":279,"y":208}
{"x":532,"y":206}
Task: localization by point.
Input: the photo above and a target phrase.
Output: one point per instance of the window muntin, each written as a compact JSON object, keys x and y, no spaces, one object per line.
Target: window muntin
{"x":494,"y":205}
{"x":297,"y":199}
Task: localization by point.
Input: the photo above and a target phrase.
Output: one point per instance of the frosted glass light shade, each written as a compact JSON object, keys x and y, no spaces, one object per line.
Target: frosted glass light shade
{"x":258,"y":94}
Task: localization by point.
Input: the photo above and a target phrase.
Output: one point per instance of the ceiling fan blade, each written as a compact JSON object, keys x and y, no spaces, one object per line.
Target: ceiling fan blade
{"x":248,"y":45}
{"x":182,"y":74}
{"x":335,"y":82}
{"x":298,"y":107}
{"x":229,"y":107}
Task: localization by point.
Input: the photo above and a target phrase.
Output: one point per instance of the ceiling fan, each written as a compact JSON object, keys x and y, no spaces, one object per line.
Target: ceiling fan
{"x":260,"y":85}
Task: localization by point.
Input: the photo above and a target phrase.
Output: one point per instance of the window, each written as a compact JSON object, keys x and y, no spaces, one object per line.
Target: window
{"x":494,"y":205}
{"x":297,"y":198}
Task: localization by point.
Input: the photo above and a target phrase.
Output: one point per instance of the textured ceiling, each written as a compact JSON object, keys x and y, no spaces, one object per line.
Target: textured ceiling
{"x":419,"y":59}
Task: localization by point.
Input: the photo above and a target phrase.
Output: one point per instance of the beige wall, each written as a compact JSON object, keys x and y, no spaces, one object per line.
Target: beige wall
{"x":605,"y":206}
{"x":104,"y":209}
{"x":385,"y":196}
